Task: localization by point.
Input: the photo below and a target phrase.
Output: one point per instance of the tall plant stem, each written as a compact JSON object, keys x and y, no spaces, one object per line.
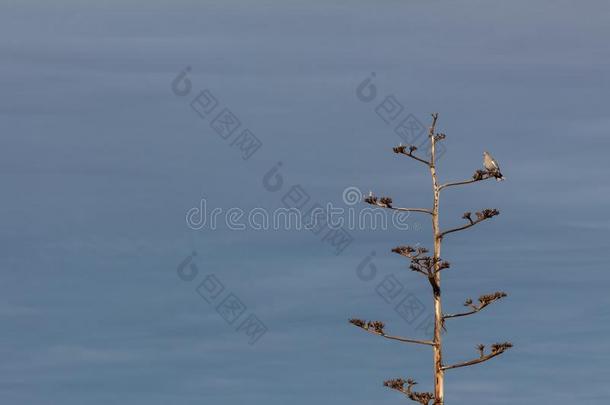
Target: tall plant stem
{"x":435,"y":281}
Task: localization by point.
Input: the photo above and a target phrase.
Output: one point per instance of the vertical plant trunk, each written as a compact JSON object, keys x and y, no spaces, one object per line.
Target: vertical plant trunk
{"x":439,"y":375}
{"x":430,"y":265}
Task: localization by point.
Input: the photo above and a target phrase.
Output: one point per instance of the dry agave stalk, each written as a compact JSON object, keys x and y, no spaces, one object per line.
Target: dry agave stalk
{"x":431,"y":266}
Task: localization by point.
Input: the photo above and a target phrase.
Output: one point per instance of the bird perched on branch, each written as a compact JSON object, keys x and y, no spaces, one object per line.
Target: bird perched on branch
{"x":492,"y":166}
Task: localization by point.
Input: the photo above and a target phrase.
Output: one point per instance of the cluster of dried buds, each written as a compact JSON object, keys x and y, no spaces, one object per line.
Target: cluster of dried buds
{"x":428,"y":265}
{"x":484,"y":174}
{"x":480,"y":175}
{"x":489,"y":298}
{"x":403,"y":149}
{"x":375,"y":326}
{"x":485,"y":300}
{"x":381,"y":202}
{"x":398,"y":384}
{"x":409,"y":251}
{"x":500,"y":347}
{"x":439,"y":137}
{"x":496,"y":348}
{"x":419,"y":262}
{"x":487,"y":213}
{"x":481,"y":215}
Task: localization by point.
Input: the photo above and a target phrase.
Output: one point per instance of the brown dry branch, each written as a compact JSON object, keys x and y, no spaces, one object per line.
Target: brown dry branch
{"x":484,"y":300}
{"x":402,"y":149}
{"x":386,"y":202}
{"x":429,"y":265}
{"x":376,"y":328}
{"x":421,"y":263}
{"x":478,"y":175}
{"x":409,"y":251}
{"x":481,"y":216}
{"x":398,"y":384}
{"x":496,"y":350}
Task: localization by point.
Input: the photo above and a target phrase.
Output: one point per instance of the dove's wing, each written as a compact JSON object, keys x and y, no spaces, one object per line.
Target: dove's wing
{"x":494,"y":163}
{"x":490,"y":163}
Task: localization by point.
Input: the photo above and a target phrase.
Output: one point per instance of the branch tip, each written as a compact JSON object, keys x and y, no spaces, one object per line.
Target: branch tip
{"x":484,"y":300}
{"x":386,"y":202}
{"x":398,"y":384}
{"x":377,"y":328}
{"x":496,"y":350}
{"x":408,"y":150}
{"x":481,"y":216}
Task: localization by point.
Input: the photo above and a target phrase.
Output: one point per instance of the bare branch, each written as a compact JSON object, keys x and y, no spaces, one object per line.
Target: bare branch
{"x":376,"y":328}
{"x":386,"y":202}
{"x":484,"y":300}
{"x":496,"y":350}
{"x":410,"y":252}
{"x":481,"y":216}
{"x":419,"y":262}
{"x":398,"y":384}
{"x":402,"y":149}
{"x":479,"y":175}
{"x":423,"y":264}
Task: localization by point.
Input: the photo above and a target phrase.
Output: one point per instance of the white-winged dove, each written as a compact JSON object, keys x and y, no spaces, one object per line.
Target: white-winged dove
{"x":492,"y":166}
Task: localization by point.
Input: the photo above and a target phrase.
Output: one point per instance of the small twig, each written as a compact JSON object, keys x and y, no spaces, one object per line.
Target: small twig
{"x":457,"y":183}
{"x":410,"y":252}
{"x":376,"y":328}
{"x":479,"y":175}
{"x":427,"y":211}
{"x":474,"y":311}
{"x":386,"y":202}
{"x":419,"y":262}
{"x":496,"y":350}
{"x":405,"y":340}
{"x":484,"y":301}
{"x":402,"y":149}
{"x":481,"y":216}
{"x":398,"y":384}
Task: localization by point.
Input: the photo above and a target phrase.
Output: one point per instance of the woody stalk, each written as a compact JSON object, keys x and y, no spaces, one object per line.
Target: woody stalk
{"x":431,"y":267}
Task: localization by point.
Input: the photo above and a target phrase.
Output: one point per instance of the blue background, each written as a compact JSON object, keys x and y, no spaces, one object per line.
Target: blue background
{"x":100,"y":161}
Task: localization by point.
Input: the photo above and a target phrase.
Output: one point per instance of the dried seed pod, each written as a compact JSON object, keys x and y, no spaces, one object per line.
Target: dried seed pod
{"x":500,"y":347}
{"x":489,"y":298}
{"x":399,"y":149}
{"x":395,"y":384}
{"x":358,"y":322}
{"x":387,"y":201}
{"x":377,"y":326}
{"x":479,"y":175}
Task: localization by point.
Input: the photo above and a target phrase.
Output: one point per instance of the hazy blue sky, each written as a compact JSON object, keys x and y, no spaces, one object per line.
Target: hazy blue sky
{"x":100,"y":161}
